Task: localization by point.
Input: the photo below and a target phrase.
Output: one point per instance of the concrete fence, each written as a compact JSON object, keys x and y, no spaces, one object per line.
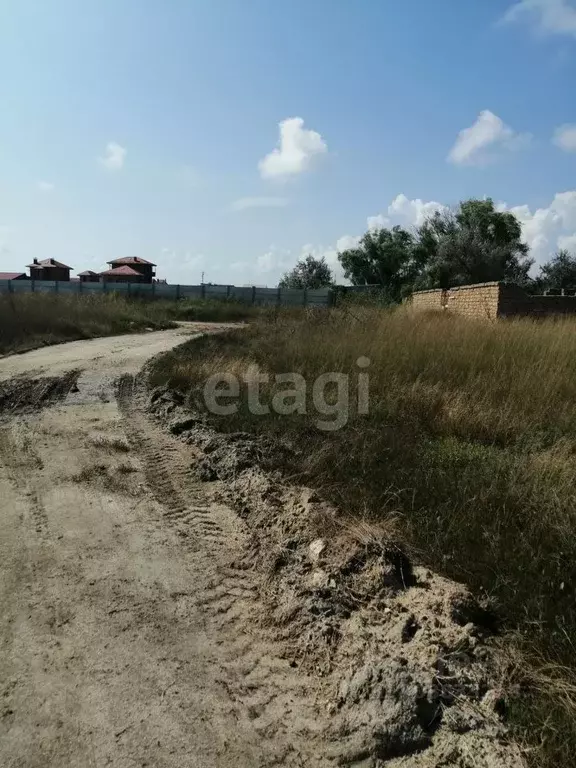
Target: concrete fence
{"x":321,"y":297}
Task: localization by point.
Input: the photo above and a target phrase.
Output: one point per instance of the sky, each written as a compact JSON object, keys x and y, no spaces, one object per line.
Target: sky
{"x":225,"y":139}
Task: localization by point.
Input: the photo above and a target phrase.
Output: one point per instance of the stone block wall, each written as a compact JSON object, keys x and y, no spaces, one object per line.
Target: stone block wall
{"x":480,"y":300}
{"x":492,"y":300}
{"x":427,"y":300}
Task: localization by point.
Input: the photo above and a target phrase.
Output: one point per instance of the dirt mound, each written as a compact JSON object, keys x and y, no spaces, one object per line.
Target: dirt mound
{"x":402,"y":654}
{"x":24,"y":395}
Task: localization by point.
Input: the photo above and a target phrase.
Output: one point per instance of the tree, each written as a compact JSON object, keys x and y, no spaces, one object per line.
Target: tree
{"x":559,"y":273}
{"x":383,"y":257}
{"x":308,"y":273}
{"x":474,"y":244}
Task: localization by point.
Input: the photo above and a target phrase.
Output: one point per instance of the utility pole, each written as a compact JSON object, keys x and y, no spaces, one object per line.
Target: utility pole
{"x":202,"y":280}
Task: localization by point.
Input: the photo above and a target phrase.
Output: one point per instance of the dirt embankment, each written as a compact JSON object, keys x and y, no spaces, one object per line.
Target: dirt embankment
{"x":406,"y":671}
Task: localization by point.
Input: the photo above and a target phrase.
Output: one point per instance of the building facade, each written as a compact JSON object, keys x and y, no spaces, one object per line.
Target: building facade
{"x":123,"y":274}
{"x":141,"y":267}
{"x":88,"y":276}
{"x":49,"y":269}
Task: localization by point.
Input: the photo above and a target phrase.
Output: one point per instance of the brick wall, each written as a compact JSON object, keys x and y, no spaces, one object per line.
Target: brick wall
{"x":480,"y":300}
{"x":491,"y":300}
{"x":426,"y":300}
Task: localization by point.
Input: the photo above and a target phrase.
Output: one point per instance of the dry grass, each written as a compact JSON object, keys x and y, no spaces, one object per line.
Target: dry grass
{"x":110,"y":443}
{"x":470,"y":445}
{"x":30,"y":320}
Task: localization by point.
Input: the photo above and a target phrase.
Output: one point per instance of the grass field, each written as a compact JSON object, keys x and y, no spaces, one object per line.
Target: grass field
{"x":470,"y":439}
{"x":31,"y":320}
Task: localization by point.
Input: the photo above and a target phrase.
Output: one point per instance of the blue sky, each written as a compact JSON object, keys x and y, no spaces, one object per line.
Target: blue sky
{"x":231,"y":136}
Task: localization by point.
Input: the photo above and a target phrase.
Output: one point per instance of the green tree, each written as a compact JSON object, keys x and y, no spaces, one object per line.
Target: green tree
{"x":383,"y":257}
{"x":559,"y":273}
{"x":308,"y":273}
{"x":474,"y":244}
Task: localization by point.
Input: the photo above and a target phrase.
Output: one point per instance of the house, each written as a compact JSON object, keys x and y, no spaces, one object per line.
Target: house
{"x":49,"y":269}
{"x":13,"y":276}
{"x":88,"y":276}
{"x":143,"y":268}
{"x":123,"y":274}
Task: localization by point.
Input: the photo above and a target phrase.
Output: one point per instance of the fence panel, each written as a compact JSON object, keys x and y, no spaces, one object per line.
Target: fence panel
{"x":241,"y":293}
{"x":44,"y":286}
{"x":191,"y":291}
{"x":63,"y":286}
{"x":266,"y":296}
{"x":319,"y":297}
{"x":292,"y":296}
{"x":216,"y":291}
{"x":166,"y":291}
{"x":249,"y":294}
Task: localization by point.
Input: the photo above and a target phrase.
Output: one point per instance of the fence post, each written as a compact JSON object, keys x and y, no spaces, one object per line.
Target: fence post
{"x":10,"y":287}
{"x":55,"y":286}
{"x":278,"y":296}
{"x":202,"y":291}
{"x":32,"y":285}
{"x":129,"y":291}
{"x":104,"y":286}
{"x":305,"y":297}
{"x":253,"y":294}
{"x":153,"y":290}
{"x":227,"y":291}
{"x":178,"y":292}
{"x":80,"y":288}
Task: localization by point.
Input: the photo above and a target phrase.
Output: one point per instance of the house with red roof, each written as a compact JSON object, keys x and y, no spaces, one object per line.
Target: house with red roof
{"x":13,"y":276}
{"x":49,"y":269}
{"x":129,"y":269}
{"x":88,"y":276}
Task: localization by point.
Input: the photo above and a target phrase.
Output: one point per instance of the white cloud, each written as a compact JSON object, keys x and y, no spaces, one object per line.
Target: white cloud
{"x":412,"y":212}
{"x":266,"y":262}
{"x":44,"y":186}
{"x":275,"y":260}
{"x":259,"y":202}
{"x":547,"y":229}
{"x":295,"y":152}
{"x":378,"y":222}
{"x":479,"y":143}
{"x":548,"y":16}
{"x":565,"y":137}
{"x":405,"y":212}
{"x":114,"y":156}
{"x":179,"y":266}
{"x":568,"y":243}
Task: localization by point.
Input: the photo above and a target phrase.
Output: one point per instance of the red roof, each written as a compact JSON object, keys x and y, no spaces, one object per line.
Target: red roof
{"x":86,"y":272}
{"x":131,"y":260}
{"x":11,"y":275}
{"x":121,"y":271}
{"x":49,"y":263}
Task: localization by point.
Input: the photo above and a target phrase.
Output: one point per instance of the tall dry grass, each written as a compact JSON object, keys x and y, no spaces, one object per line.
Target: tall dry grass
{"x":30,"y":320}
{"x":470,"y":442}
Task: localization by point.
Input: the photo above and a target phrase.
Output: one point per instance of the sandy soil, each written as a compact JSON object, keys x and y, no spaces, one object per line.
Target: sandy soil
{"x":125,"y":633}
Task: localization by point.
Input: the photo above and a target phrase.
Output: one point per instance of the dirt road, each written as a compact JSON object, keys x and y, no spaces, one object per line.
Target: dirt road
{"x":123,"y":630}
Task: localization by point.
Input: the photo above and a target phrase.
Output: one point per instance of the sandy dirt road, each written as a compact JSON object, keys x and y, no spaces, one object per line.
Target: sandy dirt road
{"x":125,"y":619}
